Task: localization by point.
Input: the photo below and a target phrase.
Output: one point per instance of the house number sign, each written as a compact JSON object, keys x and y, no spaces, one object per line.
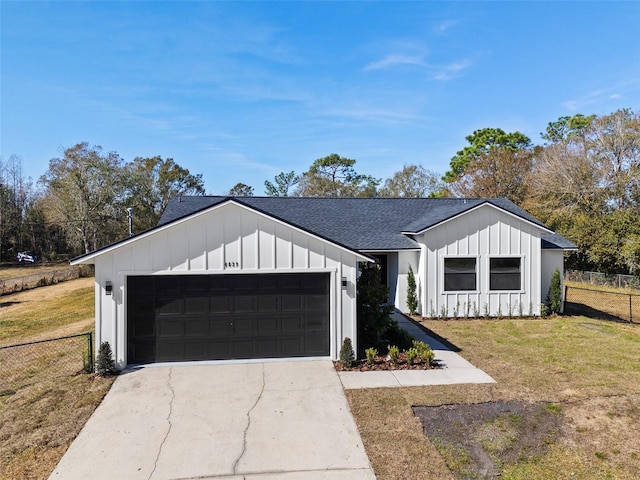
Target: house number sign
{"x":231,"y":264}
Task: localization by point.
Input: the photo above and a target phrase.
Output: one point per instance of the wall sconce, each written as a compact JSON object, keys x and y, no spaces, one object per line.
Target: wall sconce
{"x":108,"y":288}
{"x":344,"y":283}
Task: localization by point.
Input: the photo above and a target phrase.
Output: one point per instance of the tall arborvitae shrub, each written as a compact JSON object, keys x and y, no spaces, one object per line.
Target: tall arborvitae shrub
{"x":554,"y":299}
{"x":412,"y":296}
{"x":105,"y":366}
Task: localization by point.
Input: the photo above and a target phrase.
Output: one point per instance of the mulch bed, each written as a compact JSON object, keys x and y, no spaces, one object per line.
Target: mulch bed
{"x":383,"y":363}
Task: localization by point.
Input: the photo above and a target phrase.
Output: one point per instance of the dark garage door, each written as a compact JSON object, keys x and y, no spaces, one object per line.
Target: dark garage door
{"x":217,"y":317}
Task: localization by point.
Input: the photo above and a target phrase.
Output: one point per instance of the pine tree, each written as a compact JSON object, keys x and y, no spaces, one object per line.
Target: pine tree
{"x":412,"y":297}
{"x":105,"y":366}
{"x":554,"y":299}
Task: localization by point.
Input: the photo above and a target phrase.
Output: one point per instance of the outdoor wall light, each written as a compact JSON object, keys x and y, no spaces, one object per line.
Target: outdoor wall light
{"x":108,"y":288}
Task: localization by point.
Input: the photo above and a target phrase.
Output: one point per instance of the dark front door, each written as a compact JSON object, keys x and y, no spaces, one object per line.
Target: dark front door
{"x":216,"y":317}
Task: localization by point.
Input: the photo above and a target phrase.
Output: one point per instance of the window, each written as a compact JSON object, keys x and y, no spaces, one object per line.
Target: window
{"x":459,"y":274}
{"x":504,"y":274}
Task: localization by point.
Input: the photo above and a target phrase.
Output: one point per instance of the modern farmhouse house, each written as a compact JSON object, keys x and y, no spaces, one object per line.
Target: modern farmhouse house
{"x":224,"y":278}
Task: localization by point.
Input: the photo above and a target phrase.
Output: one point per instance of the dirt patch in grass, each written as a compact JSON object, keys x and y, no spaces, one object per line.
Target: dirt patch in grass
{"x":478,"y":440}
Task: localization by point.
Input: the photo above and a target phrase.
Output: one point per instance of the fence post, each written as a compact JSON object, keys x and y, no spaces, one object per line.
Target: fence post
{"x":91,"y":360}
{"x":630,"y":310}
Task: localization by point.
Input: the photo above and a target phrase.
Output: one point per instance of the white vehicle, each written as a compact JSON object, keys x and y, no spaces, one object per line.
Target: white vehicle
{"x":27,"y":257}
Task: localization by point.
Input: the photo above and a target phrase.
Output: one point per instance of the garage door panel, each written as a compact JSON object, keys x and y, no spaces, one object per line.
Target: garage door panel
{"x":144,"y":326}
{"x":168,"y":306}
{"x":315,"y":302}
{"x":196,"y":350}
{"x":292,"y":303}
{"x":292,"y":346}
{"x":196,"y":327}
{"x":170,"y":351}
{"x":142,"y":305}
{"x":245,"y":326}
{"x":268,"y":347}
{"x":201,"y":317}
{"x":143,"y":351}
{"x":269,"y":325}
{"x":221,"y":350}
{"x":196,"y":305}
{"x":268,"y":303}
{"x":315,"y":343}
{"x":223,"y":304}
{"x":291,"y":324}
{"x":244,"y":304}
{"x":314,"y":322}
{"x":220,"y":327}
{"x":244,"y":348}
{"x":245,"y":283}
{"x":170,"y":327}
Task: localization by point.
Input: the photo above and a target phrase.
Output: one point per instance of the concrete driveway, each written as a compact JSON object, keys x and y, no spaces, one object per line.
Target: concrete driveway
{"x":285,"y":420}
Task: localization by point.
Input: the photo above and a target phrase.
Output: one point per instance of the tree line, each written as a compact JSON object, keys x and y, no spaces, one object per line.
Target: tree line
{"x":583,"y":181}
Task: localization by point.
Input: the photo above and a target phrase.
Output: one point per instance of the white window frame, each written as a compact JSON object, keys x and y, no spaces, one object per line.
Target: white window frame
{"x":476,"y":258}
{"x":522,"y":278}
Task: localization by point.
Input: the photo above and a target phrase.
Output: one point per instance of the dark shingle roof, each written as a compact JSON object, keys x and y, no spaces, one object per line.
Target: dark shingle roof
{"x":365,"y":224}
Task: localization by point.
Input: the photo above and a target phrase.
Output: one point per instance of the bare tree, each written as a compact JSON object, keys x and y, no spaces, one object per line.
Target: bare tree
{"x":413,"y":181}
{"x":499,"y":172}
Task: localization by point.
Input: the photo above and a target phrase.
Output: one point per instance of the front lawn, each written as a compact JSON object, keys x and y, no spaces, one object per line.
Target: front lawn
{"x":40,"y":417}
{"x":586,"y":370}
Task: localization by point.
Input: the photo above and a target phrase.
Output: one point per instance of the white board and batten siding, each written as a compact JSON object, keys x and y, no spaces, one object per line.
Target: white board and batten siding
{"x":488,"y":233}
{"x":227,"y":239}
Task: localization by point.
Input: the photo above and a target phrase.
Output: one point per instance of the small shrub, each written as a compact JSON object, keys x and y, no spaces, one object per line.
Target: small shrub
{"x":499,"y":314}
{"x":394,"y":353}
{"x":412,"y":355}
{"x":476,"y":310}
{"x":347,"y":355}
{"x":424,"y":351}
{"x":520,"y":309}
{"x":105,"y":365}
{"x":467,"y":310}
{"x":486,"y":310}
{"x":412,"y":296}
{"x":371,"y":354}
{"x":443,"y":312}
{"x":432,"y":311}
{"x":530,"y":309}
{"x":456,"y":309}
{"x":543,"y":311}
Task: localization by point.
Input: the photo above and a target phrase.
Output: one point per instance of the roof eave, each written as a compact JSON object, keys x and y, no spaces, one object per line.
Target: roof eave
{"x":90,"y":257}
{"x":475,"y":207}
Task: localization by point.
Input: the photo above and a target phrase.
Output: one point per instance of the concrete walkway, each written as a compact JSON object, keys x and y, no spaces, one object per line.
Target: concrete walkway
{"x":455,"y":369}
{"x":280,"y":420}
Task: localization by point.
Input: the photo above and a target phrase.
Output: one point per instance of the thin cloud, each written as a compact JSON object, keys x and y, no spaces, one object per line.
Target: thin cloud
{"x":396,"y":60}
{"x":442,"y":27}
{"x":451,"y":71}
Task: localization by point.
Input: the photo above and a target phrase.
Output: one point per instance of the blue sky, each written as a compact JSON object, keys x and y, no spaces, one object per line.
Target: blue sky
{"x":240,"y":91}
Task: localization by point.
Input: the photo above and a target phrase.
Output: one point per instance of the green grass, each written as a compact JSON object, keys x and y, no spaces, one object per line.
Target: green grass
{"x":33,"y":312}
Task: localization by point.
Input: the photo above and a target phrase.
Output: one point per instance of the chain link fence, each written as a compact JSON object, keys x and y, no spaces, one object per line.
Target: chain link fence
{"x":42,"y":279}
{"x":602,"y":304}
{"x":603,"y":279}
{"x":26,"y":364}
